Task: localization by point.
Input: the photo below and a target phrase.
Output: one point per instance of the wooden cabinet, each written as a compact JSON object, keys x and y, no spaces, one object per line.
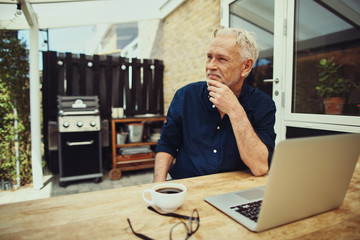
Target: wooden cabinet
{"x":128,"y":162}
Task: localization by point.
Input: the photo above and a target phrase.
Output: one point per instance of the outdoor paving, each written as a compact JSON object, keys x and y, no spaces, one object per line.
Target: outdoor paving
{"x":52,"y":188}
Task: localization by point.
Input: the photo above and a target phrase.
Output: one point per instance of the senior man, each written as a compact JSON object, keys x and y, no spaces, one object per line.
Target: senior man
{"x":221,"y":124}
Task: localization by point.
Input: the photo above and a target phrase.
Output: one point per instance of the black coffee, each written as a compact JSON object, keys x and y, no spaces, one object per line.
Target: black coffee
{"x":169,"y":190}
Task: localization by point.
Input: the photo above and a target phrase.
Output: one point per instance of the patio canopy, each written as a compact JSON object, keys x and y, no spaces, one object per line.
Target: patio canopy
{"x":70,"y":13}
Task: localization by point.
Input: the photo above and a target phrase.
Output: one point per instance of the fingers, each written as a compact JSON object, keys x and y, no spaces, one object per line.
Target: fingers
{"x":213,"y":96}
{"x":214,"y":86}
{"x":216,"y":91}
{"x":212,"y":82}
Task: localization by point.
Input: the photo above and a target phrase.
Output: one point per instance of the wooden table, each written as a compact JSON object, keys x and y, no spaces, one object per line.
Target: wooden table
{"x":103,"y":214}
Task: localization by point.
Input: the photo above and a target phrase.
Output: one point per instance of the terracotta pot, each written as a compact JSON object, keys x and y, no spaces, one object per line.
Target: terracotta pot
{"x":334,"y":105}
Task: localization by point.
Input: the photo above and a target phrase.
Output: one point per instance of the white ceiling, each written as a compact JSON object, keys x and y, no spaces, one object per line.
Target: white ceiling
{"x":70,"y":13}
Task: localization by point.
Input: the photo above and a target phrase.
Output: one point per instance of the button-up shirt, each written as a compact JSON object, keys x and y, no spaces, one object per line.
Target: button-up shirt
{"x":204,"y":143}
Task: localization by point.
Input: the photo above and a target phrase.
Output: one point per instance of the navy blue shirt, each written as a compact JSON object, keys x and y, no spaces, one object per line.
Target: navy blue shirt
{"x":201,"y":141}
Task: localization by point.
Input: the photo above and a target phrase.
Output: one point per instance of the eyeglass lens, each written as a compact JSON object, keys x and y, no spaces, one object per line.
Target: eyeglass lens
{"x":194,"y":221}
{"x":182,"y":231}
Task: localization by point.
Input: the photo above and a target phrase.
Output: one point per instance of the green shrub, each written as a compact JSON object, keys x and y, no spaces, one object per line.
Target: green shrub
{"x":14,"y":88}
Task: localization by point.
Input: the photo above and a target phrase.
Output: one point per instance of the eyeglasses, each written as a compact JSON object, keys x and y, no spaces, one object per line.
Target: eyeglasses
{"x":181,"y":230}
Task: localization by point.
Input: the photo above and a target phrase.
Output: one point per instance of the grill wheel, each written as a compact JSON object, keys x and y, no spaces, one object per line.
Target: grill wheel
{"x":115,"y":174}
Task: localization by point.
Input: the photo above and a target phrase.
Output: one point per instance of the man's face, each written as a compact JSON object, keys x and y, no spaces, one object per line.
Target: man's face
{"x":224,"y":61}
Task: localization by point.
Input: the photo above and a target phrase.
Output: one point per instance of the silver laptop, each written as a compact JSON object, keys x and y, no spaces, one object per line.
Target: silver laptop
{"x":308,"y":176}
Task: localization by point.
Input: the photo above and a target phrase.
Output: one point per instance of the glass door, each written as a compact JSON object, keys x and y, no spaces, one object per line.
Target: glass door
{"x":257,"y":16}
{"x":323,"y":62}
{"x":298,"y":40}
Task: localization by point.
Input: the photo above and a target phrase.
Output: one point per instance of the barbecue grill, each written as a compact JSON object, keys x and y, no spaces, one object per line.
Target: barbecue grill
{"x":79,"y":139}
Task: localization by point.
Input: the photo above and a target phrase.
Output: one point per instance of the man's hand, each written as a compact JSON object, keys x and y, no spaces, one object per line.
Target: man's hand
{"x":222,"y":97}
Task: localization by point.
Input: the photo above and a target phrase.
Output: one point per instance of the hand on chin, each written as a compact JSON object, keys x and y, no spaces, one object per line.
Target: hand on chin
{"x":213,"y":81}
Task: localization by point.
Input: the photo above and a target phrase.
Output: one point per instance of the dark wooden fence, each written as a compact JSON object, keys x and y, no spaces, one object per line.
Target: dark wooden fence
{"x":134,"y":84}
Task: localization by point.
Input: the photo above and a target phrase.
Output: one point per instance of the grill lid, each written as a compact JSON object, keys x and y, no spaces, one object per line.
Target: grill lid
{"x":78,"y":104}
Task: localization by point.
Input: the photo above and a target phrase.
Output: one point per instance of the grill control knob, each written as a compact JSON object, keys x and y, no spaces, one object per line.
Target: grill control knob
{"x":93,"y":123}
{"x":66,"y":124}
{"x":79,"y":124}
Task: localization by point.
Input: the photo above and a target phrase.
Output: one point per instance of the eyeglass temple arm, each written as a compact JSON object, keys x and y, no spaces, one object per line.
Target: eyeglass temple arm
{"x":169,"y":214}
{"x":142,"y":236}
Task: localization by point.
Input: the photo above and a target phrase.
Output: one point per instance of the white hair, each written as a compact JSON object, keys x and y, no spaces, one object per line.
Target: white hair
{"x":246,"y":41}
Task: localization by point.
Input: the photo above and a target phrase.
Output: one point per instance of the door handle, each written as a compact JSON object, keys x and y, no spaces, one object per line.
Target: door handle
{"x":276,"y":80}
{"x":79,"y":143}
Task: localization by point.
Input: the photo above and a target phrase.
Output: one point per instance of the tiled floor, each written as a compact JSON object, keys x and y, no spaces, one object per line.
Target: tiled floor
{"x":52,"y":188}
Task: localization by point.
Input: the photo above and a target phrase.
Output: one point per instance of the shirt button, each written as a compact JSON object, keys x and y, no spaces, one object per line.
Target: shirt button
{"x":218,"y":127}
{"x":215,"y":151}
{"x":213,"y":106}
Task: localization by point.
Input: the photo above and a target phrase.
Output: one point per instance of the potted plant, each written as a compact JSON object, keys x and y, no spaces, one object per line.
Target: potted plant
{"x":331,"y":86}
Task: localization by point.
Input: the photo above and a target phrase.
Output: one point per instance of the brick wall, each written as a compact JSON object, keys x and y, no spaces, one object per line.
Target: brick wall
{"x":182,"y":43}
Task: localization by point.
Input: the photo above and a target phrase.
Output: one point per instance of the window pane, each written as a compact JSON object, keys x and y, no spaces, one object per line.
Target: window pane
{"x":257,"y":16}
{"x":326,"y":30}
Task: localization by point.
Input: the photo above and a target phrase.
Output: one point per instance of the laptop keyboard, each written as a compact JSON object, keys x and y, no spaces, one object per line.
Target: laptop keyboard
{"x":249,"y":210}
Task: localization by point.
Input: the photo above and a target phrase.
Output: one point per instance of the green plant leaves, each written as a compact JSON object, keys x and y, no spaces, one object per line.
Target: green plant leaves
{"x":330,"y":84}
{"x":14,"y":87}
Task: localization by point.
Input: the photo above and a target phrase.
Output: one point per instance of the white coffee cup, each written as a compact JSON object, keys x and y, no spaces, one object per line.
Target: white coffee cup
{"x":166,"y":196}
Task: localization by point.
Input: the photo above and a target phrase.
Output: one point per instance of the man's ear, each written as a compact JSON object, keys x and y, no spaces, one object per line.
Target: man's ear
{"x":247,"y":66}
